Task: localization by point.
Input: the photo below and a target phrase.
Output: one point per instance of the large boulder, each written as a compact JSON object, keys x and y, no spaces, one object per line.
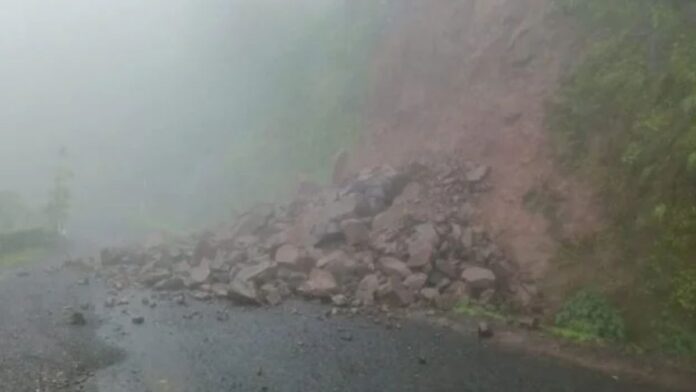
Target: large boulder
{"x":200,"y":273}
{"x":478,"y":278}
{"x":366,"y":290}
{"x":243,"y":290}
{"x":288,"y":255}
{"x":259,"y":272}
{"x":422,"y":245}
{"x":340,"y":264}
{"x":416,"y":281}
{"x":356,"y":231}
{"x":394,"y":267}
{"x":320,"y":284}
{"x":396,"y":293}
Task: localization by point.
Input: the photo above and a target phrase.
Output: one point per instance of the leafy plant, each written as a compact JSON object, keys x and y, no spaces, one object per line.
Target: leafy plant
{"x":626,"y":116}
{"x":589,"y":314}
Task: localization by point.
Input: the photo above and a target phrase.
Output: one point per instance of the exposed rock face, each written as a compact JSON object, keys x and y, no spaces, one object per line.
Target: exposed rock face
{"x":399,"y":237}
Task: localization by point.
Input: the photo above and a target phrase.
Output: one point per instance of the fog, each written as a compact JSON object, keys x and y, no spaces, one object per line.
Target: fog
{"x":149,"y":99}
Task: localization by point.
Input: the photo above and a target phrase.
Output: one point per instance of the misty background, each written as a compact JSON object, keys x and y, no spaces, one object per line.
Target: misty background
{"x":175,"y":112}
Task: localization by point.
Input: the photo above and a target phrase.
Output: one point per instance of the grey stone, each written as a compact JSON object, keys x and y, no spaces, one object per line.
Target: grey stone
{"x":366,"y":290}
{"x":320,"y":283}
{"x":393,"y":266}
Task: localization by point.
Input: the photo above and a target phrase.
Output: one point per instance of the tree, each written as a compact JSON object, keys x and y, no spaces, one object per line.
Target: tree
{"x":58,"y":207}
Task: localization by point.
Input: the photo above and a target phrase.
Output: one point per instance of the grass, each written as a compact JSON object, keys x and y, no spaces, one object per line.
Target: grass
{"x":472,"y":309}
{"x":22,"y":257}
{"x":573,"y":335}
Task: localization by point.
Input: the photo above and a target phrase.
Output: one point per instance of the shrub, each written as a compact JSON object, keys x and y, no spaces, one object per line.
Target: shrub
{"x":588,"y":313}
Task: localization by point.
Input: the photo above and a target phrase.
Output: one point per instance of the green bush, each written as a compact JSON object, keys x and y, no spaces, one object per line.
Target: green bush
{"x":587,"y":313}
{"x":626,"y":117}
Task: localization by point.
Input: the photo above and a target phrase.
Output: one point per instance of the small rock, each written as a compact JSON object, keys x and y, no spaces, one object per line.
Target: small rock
{"x":219,"y":290}
{"x":77,"y":318}
{"x":201,"y":295}
{"x":430,"y":293}
{"x":138,"y":320}
{"x":422,"y":360}
{"x":339,"y":300}
{"x":110,"y":302}
{"x":171,"y":284}
{"x":221,"y":316}
{"x":180,"y":299}
{"x":484,"y":330}
{"x":145,"y":301}
{"x":23,"y":274}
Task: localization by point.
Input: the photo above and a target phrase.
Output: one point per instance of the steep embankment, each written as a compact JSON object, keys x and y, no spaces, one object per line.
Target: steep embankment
{"x":471,"y":78}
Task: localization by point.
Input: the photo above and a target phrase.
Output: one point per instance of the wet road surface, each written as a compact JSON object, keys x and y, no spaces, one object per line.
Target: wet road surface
{"x":220,"y":347}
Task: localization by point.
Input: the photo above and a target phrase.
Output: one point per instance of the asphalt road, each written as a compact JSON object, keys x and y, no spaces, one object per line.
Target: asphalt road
{"x":220,"y":347}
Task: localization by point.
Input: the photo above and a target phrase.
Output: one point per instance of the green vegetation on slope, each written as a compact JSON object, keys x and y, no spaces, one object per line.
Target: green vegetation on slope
{"x":626,"y":117}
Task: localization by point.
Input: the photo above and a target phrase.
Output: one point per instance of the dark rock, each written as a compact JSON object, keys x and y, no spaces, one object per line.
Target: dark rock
{"x":291,"y":277}
{"x":204,"y":250}
{"x":447,"y":267}
{"x":78,"y":319}
{"x":396,"y":293}
{"x":138,"y":320}
{"x":484,"y":330}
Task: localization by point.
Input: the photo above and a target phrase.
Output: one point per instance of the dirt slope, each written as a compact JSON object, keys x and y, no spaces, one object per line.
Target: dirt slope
{"x":471,"y":78}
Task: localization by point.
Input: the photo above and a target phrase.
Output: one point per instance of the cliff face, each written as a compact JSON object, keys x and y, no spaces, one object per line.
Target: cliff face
{"x":471,"y":79}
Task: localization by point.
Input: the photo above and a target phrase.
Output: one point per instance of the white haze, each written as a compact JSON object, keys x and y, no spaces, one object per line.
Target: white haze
{"x":136,"y":91}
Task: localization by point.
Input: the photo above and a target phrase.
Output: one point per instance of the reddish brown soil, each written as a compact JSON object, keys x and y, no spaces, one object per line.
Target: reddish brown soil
{"x":471,"y":78}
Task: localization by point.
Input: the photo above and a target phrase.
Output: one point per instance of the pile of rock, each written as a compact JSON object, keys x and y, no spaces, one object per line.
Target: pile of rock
{"x":397,"y":237}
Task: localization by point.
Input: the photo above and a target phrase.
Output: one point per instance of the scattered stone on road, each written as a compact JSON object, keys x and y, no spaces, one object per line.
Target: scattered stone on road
{"x":78,"y":319}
